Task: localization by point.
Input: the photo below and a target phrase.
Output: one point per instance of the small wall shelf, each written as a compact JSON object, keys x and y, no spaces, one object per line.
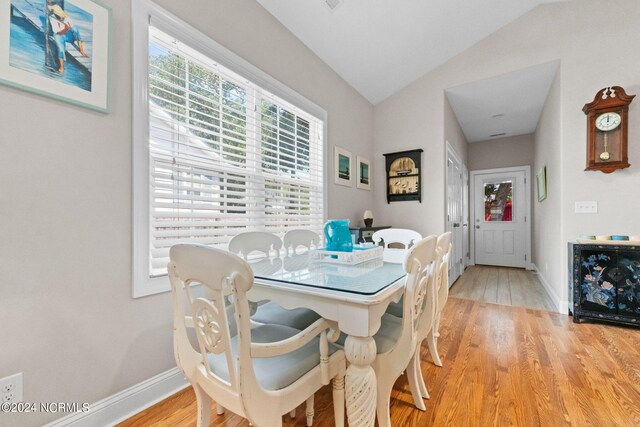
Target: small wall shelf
{"x":403,"y":175}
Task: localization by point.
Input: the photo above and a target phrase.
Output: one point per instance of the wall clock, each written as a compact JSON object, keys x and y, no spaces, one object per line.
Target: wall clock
{"x":607,"y":130}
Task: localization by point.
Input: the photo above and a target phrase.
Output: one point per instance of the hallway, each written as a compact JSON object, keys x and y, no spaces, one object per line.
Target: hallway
{"x":502,"y":285}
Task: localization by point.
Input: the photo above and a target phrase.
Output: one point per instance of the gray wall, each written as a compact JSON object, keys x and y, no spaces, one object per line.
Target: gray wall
{"x":547,"y":214}
{"x":411,"y":118}
{"x":69,"y":322}
{"x":501,"y":153}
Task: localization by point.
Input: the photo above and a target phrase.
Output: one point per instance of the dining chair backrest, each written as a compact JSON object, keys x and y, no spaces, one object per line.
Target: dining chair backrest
{"x":222,"y":274}
{"x":444,"y":254}
{"x":419,"y":297}
{"x":244,"y":244}
{"x":392,"y":237}
{"x":295,"y":238}
{"x":402,"y":236}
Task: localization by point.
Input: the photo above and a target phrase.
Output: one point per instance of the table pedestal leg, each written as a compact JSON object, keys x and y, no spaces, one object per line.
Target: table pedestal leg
{"x":360,"y":381}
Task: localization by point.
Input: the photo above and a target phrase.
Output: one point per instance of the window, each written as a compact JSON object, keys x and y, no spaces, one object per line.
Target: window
{"x":224,"y":155}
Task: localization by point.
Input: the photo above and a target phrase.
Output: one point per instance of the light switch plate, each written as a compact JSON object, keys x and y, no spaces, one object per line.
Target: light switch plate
{"x":586,"y":207}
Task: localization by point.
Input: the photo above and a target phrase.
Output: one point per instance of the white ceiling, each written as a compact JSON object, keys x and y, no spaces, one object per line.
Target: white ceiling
{"x":380,"y":46}
{"x":509,"y":104}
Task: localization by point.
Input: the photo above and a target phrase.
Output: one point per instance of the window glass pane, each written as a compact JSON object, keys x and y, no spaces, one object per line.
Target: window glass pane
{"x":498,"y":201}
{"x":226,"y":156}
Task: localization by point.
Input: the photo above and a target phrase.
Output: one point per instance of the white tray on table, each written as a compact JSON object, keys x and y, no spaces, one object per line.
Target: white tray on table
{"x":357,"y":256}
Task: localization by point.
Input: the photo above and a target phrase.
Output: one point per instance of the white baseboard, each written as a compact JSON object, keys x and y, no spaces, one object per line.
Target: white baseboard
{"x":561,"y":306}
{"x":125,"y":404}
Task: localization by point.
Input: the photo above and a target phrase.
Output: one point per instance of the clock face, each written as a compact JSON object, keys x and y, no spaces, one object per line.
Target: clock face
{"x":608,"y":121}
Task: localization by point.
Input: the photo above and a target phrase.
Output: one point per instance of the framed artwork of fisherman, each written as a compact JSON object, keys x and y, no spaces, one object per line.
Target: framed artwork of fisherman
{"x":57,"y":48}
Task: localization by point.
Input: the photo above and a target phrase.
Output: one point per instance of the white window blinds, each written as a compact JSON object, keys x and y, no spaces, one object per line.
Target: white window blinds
{"x":226,"y":156}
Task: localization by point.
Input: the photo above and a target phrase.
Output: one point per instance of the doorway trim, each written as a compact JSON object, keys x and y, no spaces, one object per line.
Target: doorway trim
{"x":528,"y":219}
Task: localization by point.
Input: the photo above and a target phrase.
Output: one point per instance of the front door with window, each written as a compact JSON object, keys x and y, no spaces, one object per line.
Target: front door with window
{"x":501,"y":218}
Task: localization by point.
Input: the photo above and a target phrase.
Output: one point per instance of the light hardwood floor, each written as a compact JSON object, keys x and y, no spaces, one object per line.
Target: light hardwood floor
{"x":503,"y":366}
{"x":502,"y":285}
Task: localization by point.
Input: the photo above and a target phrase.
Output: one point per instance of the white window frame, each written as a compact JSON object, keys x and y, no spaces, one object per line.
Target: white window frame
{"x":143,"y":12}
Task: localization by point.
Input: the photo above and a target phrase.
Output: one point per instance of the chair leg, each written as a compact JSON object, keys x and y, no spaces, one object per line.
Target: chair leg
{"x":310,"y":412}
{"x":383,"y":401}
{"x":204,"y":406}
{"x":413,"y":371}
{"x":433,"y":348}
{"x":219,"y":409}
{"x":338,"y":400}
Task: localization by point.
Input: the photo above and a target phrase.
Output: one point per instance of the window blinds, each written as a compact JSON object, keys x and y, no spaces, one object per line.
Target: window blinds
{"x":226,"y":156}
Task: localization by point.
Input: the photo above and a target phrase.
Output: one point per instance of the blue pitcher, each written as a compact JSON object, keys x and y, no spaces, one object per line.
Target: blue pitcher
{"x":338,"y":236}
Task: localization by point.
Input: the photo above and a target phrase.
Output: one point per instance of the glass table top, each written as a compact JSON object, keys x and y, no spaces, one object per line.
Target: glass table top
{"x":366,"y":278}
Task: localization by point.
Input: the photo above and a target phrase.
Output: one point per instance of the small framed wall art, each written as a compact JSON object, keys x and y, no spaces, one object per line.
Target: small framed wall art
{"x":343,"y":167}
{"x":541,"y":183}
{"x":363,"y":179}
{"x":57,"y":48}
{"x":403,"y":175}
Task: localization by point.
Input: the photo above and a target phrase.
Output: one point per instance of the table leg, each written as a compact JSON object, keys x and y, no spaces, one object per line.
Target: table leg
{"x":360,"y":381}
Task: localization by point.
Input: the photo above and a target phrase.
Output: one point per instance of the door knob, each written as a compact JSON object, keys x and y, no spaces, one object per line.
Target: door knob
{"x":456,"y":224}
{"x":477,"y":226}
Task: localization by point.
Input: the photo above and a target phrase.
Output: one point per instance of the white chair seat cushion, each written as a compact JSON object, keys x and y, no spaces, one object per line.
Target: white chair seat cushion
{"x":274,"y":373}
{"x":387,"y":335}
{"x":272,"y":313}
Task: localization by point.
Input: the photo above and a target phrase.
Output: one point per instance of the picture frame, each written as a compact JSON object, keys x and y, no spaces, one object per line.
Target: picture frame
{"x":541,"y":183}
{"x":58,"y":48}
{"x":343,"y":167}
{"x":363,"y":176}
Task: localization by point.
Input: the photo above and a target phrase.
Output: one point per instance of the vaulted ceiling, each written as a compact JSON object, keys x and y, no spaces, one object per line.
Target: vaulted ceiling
{"x":380,"y":46}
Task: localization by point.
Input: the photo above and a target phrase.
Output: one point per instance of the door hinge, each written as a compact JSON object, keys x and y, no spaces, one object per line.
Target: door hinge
{"x":525,"y":257}
{"x":525,"y":218}
{"x":525,"y":180}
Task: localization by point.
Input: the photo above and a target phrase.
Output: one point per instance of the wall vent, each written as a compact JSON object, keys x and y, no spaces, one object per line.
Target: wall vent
{"x":497,"y":134}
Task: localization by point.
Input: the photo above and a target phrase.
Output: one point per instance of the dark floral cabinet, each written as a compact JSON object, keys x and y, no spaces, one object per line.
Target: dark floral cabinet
{"x":604,"y":282}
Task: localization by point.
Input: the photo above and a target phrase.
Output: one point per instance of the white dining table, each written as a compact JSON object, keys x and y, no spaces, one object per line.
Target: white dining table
{"x":353,"y":296}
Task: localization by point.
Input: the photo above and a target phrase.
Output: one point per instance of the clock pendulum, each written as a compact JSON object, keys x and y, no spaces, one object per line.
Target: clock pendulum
{"x":605,"y":154}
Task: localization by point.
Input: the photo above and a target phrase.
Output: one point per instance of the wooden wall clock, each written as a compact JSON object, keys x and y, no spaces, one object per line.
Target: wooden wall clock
{"x":607,"y":130}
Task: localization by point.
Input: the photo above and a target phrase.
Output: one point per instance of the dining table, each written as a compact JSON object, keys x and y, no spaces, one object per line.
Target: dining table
{"x":351,"y":297}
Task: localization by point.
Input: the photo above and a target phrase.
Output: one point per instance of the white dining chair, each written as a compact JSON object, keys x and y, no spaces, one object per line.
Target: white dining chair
{"x":429,"y":329}
{"x":442,"y":285}
{"x":395,"y":236}
{"x":397,"y":337}
{"x":244,"y":244}
{"x":295,"y":238}
{"x":404,"y":237}
{"x":260,"y":373}
{"x":269,"y":246}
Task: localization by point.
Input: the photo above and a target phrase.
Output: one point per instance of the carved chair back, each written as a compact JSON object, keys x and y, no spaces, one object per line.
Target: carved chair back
{"x":244,"y":244}
{"x":295,"y":238}
{"x":395,"y":236}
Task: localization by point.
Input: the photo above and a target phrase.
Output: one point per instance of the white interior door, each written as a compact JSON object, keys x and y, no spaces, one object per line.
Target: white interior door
{"x":501,"y":218}
{"x":455,"y":214}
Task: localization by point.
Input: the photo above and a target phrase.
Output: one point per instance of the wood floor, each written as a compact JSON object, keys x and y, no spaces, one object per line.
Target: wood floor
{"x":502,"y":285}
{"x":503,"y":366}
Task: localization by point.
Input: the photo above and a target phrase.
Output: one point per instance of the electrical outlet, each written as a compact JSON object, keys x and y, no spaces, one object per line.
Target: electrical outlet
{"x":11,"y":388}
{"x":586,"y":207}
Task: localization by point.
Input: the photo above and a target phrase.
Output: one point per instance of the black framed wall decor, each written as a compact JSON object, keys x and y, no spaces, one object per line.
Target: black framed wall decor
{"x":403,"y":175}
